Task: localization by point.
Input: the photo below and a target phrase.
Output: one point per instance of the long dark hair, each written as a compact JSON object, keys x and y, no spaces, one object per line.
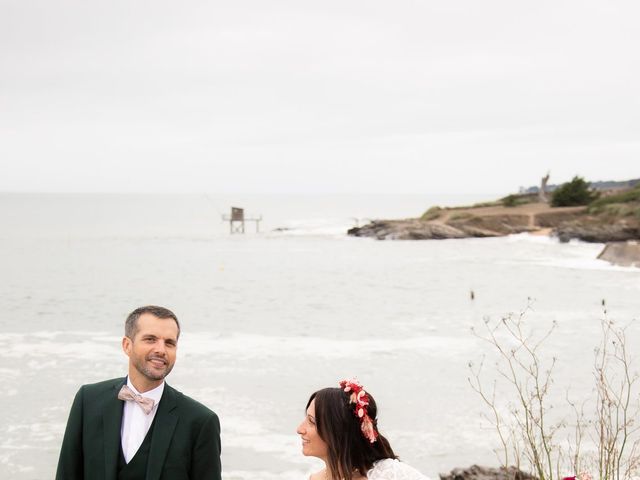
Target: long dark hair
{"x":339,"y":427}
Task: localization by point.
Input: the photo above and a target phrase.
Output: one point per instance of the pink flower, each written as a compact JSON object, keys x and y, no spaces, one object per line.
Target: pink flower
{"x":360,"y":399}
{"x":368,"y":430}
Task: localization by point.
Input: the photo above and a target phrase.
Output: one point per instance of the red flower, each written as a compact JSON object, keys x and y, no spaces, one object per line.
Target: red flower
{"x":359,"y":397}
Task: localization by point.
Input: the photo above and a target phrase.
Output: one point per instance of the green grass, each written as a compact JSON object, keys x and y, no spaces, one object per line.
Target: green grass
{"x":514,"y":200}
{"x":431,"y":214}
{"x":603,"y":203}
{"x":617,"y":210}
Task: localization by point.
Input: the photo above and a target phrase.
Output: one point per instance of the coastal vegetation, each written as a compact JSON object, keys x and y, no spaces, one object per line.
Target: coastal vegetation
{"x":511,"y":201}
{"x":573,"y":193}
{"x":432,"y":214}
{"x":596,"y":437}
{"x":514,"y":200}
{"x":626,"y":203}
{"x":575,"y":211}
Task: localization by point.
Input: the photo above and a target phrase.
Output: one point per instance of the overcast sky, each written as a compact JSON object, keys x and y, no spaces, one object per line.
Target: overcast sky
{"x":327,"y":96}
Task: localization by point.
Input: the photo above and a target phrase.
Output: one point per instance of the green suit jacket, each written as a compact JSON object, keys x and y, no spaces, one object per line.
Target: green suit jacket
{"x":185,"y":443}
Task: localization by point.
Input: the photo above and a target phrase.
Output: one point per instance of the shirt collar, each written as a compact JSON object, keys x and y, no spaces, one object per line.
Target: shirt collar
{"x":155,"y":394}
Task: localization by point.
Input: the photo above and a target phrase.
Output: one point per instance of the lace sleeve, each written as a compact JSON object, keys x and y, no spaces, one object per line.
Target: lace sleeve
{"x":390,"y":469}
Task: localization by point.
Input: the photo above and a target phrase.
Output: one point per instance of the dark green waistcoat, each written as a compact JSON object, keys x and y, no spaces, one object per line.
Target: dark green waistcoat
{"x":136,"y":469}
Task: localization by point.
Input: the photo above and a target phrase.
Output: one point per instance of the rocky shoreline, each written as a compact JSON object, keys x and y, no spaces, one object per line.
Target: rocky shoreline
{"x":565,"y":223}
{"x":476,"y":472}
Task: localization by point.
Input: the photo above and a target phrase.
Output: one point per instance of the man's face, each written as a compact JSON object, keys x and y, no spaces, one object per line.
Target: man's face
{"x":152,"y":351}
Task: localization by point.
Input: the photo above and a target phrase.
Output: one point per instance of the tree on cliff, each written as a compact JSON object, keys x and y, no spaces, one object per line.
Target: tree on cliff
{"x":575,"y":192}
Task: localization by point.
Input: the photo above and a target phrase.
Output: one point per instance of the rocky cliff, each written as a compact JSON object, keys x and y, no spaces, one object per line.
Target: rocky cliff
{"x":564,"y":222}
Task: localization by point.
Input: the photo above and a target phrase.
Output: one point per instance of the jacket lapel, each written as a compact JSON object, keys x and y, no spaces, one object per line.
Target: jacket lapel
{"x":111,"y":424}
{"x":165,"y":423}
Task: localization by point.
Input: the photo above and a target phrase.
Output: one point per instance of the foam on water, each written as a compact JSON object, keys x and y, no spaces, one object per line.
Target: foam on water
{"x":264,"y":475}
{"x":106,"y":347}
{"x":588,"y":264}
{"x":257,"y":346}
{"x":59,"y":345}
{"x":241,"y":433}
{"x":334,"y":227}
{"x":573,"y":255}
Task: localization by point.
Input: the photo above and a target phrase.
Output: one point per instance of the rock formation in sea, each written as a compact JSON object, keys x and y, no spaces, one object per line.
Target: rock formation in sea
{"x":626,"y":254}
{"x":492,"y":221}
{"x":598,"y":223}
{"x":476,"y":472}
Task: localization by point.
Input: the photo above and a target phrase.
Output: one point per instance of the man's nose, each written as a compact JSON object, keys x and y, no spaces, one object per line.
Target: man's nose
{"x":160,"y":347}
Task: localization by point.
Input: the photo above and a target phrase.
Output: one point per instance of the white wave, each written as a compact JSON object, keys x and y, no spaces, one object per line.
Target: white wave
{"x":532,"y":238}
{"x":55,"y":346}
{"x":574,"y":254}
{"x":91,"y":346}
{"x":285,"y":447}
{"x":257,"y":346}
{"x":586,"y":264}
{"x":317,"y":226}
{"x":263,"y":475}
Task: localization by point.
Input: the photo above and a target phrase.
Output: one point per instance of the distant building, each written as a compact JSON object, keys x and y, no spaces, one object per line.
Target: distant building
{"x":599,"y":186}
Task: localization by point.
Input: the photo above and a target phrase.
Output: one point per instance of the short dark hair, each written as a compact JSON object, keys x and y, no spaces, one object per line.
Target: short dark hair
{"x":131,"y":324}
{"x":339,"y":427}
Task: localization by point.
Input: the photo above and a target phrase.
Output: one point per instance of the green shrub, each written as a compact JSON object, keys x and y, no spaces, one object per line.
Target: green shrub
{"x":510,"y":201}
{"x":575,"y":192}
{"x":514,"y":200}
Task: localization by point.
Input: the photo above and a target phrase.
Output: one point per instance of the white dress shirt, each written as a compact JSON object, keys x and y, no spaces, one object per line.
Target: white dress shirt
{"x":135,"y":423}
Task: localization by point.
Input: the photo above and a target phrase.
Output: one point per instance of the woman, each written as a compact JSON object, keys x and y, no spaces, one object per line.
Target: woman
{"x":341,"y":429}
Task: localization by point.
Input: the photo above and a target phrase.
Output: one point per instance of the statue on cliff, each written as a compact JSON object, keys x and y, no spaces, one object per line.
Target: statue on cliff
{"x":542,"y":193}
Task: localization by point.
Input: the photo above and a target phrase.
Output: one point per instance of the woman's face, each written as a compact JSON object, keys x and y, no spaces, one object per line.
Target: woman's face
{"x":312,"y":444}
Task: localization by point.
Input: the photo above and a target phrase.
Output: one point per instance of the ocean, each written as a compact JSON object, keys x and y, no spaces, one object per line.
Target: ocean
{"x":269,"y":317}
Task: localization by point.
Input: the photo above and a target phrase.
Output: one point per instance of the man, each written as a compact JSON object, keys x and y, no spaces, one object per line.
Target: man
{"x":138,"y":427}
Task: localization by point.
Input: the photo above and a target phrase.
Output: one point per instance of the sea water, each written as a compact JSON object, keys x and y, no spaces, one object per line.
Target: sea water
{"x":270,"y":317}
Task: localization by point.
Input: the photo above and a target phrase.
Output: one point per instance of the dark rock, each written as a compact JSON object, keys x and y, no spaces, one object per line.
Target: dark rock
{"x":476,"y":472}
{"x":567,"y":223}
{"x":411,"y":229}
{"x":554,"y":219}
{"x":597,"y":233}
{"x":417,"y":229}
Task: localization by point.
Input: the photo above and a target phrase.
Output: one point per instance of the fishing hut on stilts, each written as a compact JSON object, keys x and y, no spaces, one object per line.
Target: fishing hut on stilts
{"x":237,"y":220}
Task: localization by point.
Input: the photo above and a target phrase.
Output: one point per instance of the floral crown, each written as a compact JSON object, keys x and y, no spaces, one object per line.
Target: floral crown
{"x":358,"y":396}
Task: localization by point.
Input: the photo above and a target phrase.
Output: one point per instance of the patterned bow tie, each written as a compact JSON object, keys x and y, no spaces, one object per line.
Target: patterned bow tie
{"x":146,"y":404}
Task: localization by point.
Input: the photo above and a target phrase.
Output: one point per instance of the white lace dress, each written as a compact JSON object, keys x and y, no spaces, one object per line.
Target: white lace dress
{"x":391,"y":469}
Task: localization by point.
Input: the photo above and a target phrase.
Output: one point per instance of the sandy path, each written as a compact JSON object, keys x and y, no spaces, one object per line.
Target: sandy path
{"x":530,"y":209}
